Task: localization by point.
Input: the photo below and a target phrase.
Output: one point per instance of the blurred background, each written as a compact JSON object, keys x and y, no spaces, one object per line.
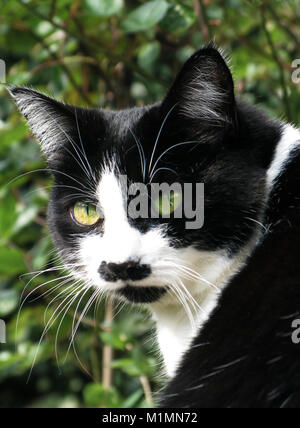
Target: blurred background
{"x":113,"y":54}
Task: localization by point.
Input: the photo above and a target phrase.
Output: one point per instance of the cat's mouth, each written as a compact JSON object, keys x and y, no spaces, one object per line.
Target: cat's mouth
{"x":137,"y":294}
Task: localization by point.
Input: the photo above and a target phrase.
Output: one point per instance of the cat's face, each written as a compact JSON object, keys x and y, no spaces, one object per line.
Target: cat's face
{"x":97,"y":157}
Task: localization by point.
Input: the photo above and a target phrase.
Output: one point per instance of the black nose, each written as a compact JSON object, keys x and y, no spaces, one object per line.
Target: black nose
{"x":133,"y":271}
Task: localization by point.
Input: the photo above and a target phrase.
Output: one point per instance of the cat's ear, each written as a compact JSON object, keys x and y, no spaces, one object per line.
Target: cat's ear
{"x":51,"y":122}
{"x":203,"y":93}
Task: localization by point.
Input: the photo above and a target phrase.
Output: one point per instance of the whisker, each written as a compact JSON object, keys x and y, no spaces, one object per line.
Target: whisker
{"x":159,"y":134}
{"x":191,"y":272}
{"x":48,"y":292}
{"x":86,"y":308}
{"x":168,"y":150}
{"x":141,"y":153}
{"x":257,"y":222}
{"x":79,"y":161}
{"x":82,"y":147}
{"x":26,"y":298}
{"x":60,"y":324}
{"x":162,"y":169}
{"x":61,"y":293}
{"x":46,"y":329}
{"x":84,"y":368}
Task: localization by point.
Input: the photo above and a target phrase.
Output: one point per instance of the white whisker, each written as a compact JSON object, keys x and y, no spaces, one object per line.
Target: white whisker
{"x":159,"y":134}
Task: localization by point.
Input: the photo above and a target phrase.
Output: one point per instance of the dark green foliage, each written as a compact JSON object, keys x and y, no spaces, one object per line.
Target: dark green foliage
{"x":111,"y":53}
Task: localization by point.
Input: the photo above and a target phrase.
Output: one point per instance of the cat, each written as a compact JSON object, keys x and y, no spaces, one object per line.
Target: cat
{"x":200,"y":133}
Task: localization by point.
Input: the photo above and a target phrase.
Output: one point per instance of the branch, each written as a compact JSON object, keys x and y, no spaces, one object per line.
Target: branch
{"x":200,"y":12}
{"x":147,"y":390}
{"x":55,"y":58}
{"x":95,"y":45}
{"x":107,"y":357}
{"x":278,"y":62}
{"x":286,"y":29}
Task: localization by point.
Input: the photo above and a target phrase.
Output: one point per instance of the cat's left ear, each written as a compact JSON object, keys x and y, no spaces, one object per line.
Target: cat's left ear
{"x":52,"y":122}
{"x":202,"y":96}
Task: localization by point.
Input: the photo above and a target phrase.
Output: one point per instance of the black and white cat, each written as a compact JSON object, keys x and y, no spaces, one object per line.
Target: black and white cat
{"x":198,"y":134}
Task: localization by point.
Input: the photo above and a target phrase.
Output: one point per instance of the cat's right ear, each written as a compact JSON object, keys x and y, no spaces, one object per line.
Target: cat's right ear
{"x":202,"y":97}
{"x":51,"y":121}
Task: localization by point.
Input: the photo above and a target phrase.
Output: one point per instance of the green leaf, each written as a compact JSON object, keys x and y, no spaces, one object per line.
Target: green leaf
{"x":8,"y":359}
{"x":12,"y":133}
{"x":8,"y":302}
{"x":95,"y":395}
{"x":25,"y":217}
{"x":179,"y":17}
{"x":215,"y":12}
{"x":128,"y":366}
{"x":41,"y":253}
{"x":148,"y":56}
{"x":8,"y":216}
{"x":11,"y":261}
{"x":146,"y":16}
{"x":104,"y":7}
{"x":114,"y":339}
{"x":133,"y":399}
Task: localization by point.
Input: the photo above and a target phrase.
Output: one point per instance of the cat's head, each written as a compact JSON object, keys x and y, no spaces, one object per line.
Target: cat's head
{"x":98,"y":157}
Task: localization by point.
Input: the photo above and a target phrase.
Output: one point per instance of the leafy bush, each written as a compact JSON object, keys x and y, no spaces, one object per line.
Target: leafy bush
{"x":109,"y":53}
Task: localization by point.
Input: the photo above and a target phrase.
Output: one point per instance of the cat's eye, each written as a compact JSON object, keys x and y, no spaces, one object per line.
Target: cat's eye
{"x":166,"y":204}
{"x":85,"y":214}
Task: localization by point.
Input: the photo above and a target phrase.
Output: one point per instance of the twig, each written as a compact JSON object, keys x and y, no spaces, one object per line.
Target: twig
{"x":147,"y":390}
{"x":95,"y":359}
{"x":286,"y":29}
{"x":199,"y":10}
{"x":278,"y":62}
{"x":95,"y":45}
{"x":107,"y":357}
{"x":67,"y":60}
{"x":54,"y":57}
{"x":52,"y":9}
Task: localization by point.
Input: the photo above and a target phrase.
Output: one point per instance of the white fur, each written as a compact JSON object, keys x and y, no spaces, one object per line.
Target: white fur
{"x":290,"y":139}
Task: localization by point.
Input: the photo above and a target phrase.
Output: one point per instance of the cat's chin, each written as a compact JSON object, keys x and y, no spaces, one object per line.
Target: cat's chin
{"x":141,"y":294}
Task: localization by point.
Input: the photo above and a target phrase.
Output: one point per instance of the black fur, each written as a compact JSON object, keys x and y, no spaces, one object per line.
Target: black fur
{"x":244,"y":356}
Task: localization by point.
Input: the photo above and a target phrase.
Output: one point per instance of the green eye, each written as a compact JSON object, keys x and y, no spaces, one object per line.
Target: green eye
{"x":85,"y":214}
{"x":167,"y":204}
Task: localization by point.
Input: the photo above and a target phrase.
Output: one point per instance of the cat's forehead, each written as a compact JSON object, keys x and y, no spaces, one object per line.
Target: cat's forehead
{"x":122,"y":123}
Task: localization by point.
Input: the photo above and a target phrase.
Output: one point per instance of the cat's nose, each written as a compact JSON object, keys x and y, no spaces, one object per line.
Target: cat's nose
{"x":130,"y":270}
